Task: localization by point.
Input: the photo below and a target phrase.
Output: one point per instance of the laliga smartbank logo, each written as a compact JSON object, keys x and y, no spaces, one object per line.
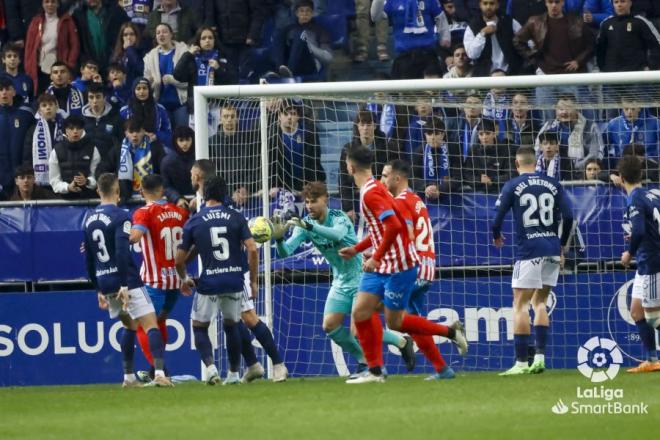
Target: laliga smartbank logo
{"x":599,"y":360}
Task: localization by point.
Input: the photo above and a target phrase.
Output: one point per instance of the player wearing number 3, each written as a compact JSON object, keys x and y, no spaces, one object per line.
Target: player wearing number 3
{"x":539,"y":206}
{"x":158,"y":227}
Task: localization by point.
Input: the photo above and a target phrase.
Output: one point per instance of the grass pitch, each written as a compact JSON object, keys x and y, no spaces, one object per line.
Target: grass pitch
{"x":474,"y":405}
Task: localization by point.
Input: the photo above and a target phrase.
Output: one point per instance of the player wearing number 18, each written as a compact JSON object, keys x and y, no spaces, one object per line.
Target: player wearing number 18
{"x":158,"y":227}
{"x":539,"y":206}
{"x":222,"y":237}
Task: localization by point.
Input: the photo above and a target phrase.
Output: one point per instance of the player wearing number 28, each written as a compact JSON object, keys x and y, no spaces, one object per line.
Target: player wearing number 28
{"x":539,"y":206}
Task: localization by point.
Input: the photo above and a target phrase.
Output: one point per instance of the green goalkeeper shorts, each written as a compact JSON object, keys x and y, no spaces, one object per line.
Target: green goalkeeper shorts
{"x":340,"y":300}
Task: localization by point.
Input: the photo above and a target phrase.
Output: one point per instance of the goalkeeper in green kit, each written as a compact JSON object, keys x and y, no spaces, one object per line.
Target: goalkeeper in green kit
{"x":330,"y":230}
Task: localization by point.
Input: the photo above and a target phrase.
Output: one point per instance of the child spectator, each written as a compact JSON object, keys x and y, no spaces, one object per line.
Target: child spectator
{"x":119,"y":86}
{"x":490,"y":163}
{"x":41,"y":138}
{"x":550,"y":162}
{"x":89,"y":73}
{"x":11,"y":61}
{"x":102,"y":122}
{"x":72,"y":163}
{"x":175,"y":167}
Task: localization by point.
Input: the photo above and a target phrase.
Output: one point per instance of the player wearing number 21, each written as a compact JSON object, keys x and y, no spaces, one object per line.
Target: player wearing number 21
{"x":539,"y":206}
{"x":158,"y":227}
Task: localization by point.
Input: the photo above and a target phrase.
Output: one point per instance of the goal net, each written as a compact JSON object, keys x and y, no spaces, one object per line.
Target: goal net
{"x":460,"y":137}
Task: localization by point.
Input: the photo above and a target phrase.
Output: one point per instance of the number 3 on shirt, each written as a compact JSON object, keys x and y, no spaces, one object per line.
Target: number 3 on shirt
{"x":218,"y":241}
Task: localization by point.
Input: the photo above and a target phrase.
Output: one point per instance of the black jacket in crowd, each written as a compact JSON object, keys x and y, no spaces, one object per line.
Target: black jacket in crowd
{"x":627,"y":43}
{"x":113,"y":17}
{"x":384,"y":151}
{"x":236,"y":20}
{"x":419,"y":182}
{"x":237,"y":158}
{"x":106,"y":130}
{"x":521,"y":10}
{"x":175,"y":170}
{"x":496,"y":161}
{"x":504,"y":34}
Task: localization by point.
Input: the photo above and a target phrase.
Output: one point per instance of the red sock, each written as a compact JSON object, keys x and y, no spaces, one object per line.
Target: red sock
{"x":427,"y":345}
{"x":143,"y":341}
{"x":162,"y":326}
{"x":413,"y":324}
{"x":371,"y":340}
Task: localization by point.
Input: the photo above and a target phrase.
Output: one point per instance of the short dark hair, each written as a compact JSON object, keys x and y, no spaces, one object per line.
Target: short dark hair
{"x":105,"y":182}
{"x":630,"y":169}
{"x":11,"y":47}
{"x":549,"y":136}
{"x":566,"y":97}
{"x":486,"y":125}
{"x":434,"y":124}
{"x":433,"y":69}
{"x":6,"y":82}
{"x":89,"y":62}
{"x":364,"y":116}
{"x":634,"y":150}
{"x":74,"y":121}
{"x":24,"y":170}
{"x":314,"y":190}
{"x":133,"y":125}
{"x":46,"y":98}
{"x":183,"y":132}
{"x":59,"y":63}
{"x":215,"y":188}
{"x":95,"y":87}
{"x":401,"y":167}
{"x":206,"y":166}
{"x":287,"y":105}
{"x":458,"y":45}
{"x":360,"y":156}
{"x":593,"y":160}
{"x":152,"y":183}
{"x":116,"y":66}
{"x":301,"y":3}
{"x":527,"y":152}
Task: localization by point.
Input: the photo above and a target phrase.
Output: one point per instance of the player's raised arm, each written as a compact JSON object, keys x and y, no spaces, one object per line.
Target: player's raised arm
{"x":289,"y":246}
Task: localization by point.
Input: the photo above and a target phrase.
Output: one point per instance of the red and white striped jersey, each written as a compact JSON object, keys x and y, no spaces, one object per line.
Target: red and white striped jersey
{"x":424,"y":243}
{"x":162,"y":224}
{"x":376,"y":204}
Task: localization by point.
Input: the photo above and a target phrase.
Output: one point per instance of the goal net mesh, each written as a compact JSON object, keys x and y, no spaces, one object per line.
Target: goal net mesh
{"x":461,"y":145}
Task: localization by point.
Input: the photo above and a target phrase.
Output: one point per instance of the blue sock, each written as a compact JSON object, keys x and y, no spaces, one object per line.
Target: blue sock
{"x":233,"y":338}
{"x":265,"y":338}
{"x":246,"y":345}
{"x":541,"y":332}
{"x":647,"y":335}
{"x":127,"y":345}
{"x":520,"y":342}
{"x":203,"y":345}
{"x":156,"y":347}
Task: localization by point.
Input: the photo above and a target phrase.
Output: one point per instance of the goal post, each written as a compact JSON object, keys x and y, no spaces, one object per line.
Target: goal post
{"x":593,"y":295}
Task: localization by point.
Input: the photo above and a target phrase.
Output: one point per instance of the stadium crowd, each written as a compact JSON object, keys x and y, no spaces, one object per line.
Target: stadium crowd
{"x":97,"y":86}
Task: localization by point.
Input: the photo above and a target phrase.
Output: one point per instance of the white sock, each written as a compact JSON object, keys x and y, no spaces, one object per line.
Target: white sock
{"x":159,"y":373}
{"x":211,"y":369}
{"x":522,"y":364}
{"x":539,"y":358}
{"x":130,"y":377}
{"x":232,"y":374}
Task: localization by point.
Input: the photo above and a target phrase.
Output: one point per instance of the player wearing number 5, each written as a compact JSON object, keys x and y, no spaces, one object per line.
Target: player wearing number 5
{"x":222,"y":238}
{"x":539,"y":206}
{"x":158,"y":227}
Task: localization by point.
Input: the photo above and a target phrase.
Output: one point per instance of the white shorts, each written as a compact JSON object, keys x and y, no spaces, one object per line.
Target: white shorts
{"x":139,"y":304}
{"x":535,"y":273}
{"x":645,"y":287}
{"x":247,"y":303}
{"x":205,"y":307}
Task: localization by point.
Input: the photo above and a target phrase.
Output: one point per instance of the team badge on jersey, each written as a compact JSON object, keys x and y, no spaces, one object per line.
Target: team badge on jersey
{"x":17,"y":123}
{"x":629,"y":27}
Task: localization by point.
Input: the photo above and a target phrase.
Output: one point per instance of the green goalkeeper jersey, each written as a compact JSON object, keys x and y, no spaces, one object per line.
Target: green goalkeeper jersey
{"x":335,"y":233}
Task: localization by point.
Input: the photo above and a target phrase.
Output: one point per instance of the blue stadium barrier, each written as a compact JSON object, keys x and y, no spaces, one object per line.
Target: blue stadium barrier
{"x":41,"y":243}
{"x":63,"y":338}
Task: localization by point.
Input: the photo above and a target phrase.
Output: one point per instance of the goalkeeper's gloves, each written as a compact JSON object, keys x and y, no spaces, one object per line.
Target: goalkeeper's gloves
{"x":297,"y":221}
{"x":279,"y":227}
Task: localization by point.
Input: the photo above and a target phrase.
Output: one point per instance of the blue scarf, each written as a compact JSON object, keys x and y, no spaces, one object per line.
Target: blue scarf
{"x":549,"y":168}
{"x":414,"y":19}
{"x":135,"y":162}
{"x":431,"y":169}
{"x":74,"y":101}
{"x":205,"y":73}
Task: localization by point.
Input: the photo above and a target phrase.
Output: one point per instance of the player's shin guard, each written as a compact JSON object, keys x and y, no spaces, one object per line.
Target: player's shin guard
{"x":370,"y":333}
{"x":233,"y":338}
{"x":541,"y":334}
{"x":156,"y":347}
{"x":203,"y":345}
{"x":143,"y":340}
{"x":265,"y":338}
{"x":247,"y":350}
{"x":413,"y":324}
{"x":647,"y":335}
{"x":427,"y":346}
{"x":127,"y":345}
{"x":343,"y":337}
